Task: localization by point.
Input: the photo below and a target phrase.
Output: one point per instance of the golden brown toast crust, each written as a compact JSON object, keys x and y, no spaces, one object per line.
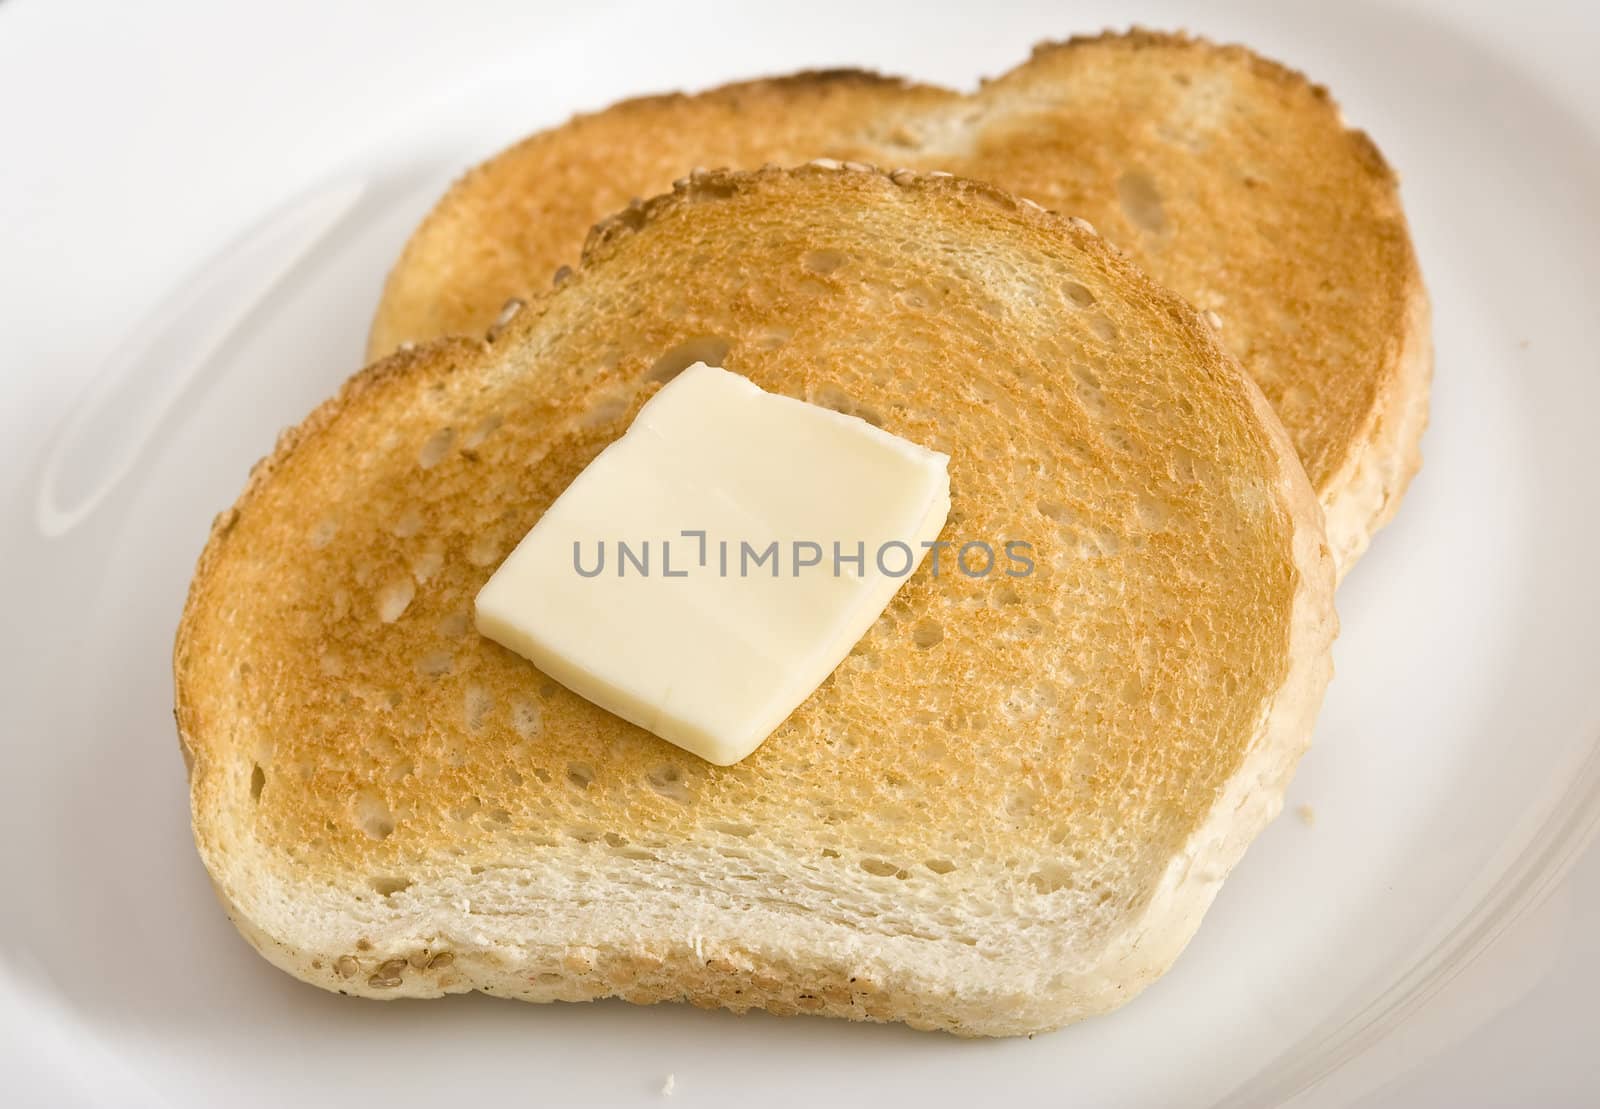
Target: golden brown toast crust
{"x":1230,"y":178}
{"x":1006,"y":810}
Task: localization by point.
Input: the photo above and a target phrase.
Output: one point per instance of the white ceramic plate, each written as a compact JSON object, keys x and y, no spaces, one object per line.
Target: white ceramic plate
{"x":1456,"y":772}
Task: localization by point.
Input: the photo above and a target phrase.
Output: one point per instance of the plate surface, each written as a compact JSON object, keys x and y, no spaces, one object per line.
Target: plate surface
{"x":1455,"y":776}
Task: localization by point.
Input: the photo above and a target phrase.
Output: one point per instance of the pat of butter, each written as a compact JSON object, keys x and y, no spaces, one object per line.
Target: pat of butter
{"x":744,"y":543}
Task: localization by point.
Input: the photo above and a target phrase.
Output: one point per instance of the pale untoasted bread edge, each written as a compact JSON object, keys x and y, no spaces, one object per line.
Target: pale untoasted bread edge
{"x":1366,"y":491}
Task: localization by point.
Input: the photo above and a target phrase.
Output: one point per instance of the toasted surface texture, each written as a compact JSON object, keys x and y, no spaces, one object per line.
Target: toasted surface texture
{"x":1230,"y":179}
{"x":1009,"y":806}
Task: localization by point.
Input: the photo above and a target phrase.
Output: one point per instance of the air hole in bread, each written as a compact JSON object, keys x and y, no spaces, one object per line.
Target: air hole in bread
{"x":323,"y":532}
{"x":1021,"y":800}
{"x":437,"y":446}
{"x":1121,"y":441}
{"x":525,"y":719}
{"x":454,"y":626}
{"x":388,"y":976}
{"x":927,"y":633}
{"x":667,"y":780}
{"x":740,"y":830}
{"x":1098,"y":543}
{"x":865,"y":657}
{"x":435,"y":664}
{"x":1104,"y":329}
{"x":480,"y":431}
{"x":1093,"y":400}
{"x":389,"y":886}
{"x":1050,"y":877}
{"x":258,"y":781}
{"x":476,"y":705}
{"x":810,"y":287}
{"x":1141,"y":202}
{"x":940,"y":866}
{"x":882,"y":868}
{"x":1152,"y":513}
{"x":833,"y":397}
{"x":394,"y":598}
{"x":1078,"y":294}
{"x":580,"y":774}
{"x":1085,"y":376}
{"x":374,"y":816}
{"x":823,"y":261}
{"x":1132,"y":691}
{"x":1052,"y":510}
{"x":836,"y":398}
{"x":428,"y":561}
{"x":710,"y":349}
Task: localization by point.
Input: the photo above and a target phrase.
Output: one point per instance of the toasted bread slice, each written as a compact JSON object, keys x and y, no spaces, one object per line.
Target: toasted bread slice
{"x":1007,"y":809}
{"x":1230,"y":179}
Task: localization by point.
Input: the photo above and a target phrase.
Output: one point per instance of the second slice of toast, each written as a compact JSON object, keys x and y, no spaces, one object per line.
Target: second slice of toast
{"x":1231,"y":179}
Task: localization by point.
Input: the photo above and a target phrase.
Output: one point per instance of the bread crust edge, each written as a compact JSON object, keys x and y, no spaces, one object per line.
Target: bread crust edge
{"x":1365,"y":492}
